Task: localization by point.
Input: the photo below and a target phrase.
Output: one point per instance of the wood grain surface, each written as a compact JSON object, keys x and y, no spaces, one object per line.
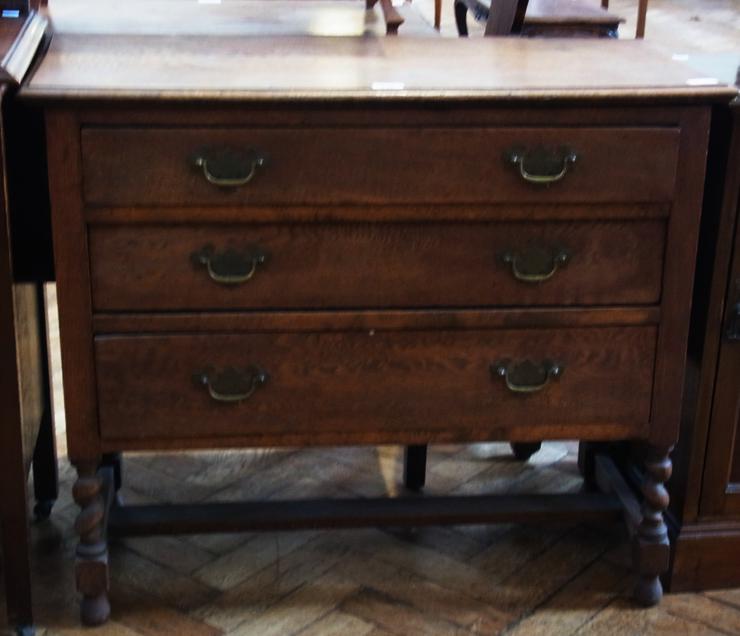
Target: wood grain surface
{"x":336,"y":166}
{"x":260,"y":68}
{"x":353,"y":384}
{"x":150,"y":268}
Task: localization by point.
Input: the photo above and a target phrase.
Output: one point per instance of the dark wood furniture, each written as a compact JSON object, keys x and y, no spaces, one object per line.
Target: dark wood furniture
{"x":409,"y":244}
{"x":705,"y":516}
{"x":26,"y":430}
{"x":538,"y":18}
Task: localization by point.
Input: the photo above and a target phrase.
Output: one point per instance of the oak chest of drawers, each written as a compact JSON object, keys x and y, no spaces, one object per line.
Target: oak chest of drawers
{"x":321,"y":260}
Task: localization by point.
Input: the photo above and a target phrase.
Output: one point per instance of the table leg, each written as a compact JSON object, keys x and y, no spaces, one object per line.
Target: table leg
{"x":415,"y":467}
{"x":651,"y":547}
{"x":45,"y":475}
{"x":641,"y":18}
{"x":92,"y":493}
{"x":45,"y":469}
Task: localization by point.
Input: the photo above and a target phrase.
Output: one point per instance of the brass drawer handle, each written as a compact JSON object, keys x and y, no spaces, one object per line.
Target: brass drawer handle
{"x":551,"y":167}
{"x":230,"y":166}
{"x":231,"y":385}
{"x":230,"y":267}
{"x":535,"y":265}
{"x":527,"y":376}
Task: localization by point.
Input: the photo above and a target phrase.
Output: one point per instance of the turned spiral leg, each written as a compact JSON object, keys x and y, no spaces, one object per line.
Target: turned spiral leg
{"x":91,"y":567}
{"x":651,"y":546}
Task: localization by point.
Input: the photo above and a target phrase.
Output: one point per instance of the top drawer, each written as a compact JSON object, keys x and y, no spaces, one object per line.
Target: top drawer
{"x":331,"y":166}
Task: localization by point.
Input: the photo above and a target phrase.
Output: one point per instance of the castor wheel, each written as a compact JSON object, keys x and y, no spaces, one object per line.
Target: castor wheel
{"x":524,"y":450}
{"x":415,"y":467}
{"x":42,"y":510}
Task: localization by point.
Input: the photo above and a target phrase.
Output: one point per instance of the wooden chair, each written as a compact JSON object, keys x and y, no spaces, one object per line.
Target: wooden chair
{"x":547,"y":18}
{"x":240,"y":17}
{"x":641,"y":16}
{"x":394,"y":19}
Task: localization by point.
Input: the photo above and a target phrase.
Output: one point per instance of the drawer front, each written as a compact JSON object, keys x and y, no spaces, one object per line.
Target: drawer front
{"x":330,"y":166}
{"x":375,"y":265}
{"x":370,"y":386}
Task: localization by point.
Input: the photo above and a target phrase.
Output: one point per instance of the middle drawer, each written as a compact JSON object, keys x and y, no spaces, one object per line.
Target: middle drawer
{"x":150,"y":268}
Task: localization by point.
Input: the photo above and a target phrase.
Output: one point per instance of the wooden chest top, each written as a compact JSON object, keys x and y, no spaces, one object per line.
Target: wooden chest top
{"x":213,"y":68}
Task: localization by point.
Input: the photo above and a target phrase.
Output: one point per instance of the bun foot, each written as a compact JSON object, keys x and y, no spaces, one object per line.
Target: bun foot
{"x":94,"y":610}
{"x":524,"y":450}
{"x":648,"y":591}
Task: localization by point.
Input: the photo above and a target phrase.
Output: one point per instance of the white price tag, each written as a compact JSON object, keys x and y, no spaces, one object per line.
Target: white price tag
{"x":388,"y":86}
{"x":702,"y":81}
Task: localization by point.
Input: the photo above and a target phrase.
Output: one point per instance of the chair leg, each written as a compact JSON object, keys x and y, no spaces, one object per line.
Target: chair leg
{"x":415,"y":467}
{"x":641,"y":19}
{"x":437,"y":14}
{"x":604,"y":4}
{"x":461,"y":19}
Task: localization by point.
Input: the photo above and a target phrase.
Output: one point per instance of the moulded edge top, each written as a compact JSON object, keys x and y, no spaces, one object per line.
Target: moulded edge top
{"x":228,"y":68}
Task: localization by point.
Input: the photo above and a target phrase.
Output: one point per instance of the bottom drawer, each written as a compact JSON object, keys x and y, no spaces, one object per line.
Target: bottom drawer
{"x":377,"y":387}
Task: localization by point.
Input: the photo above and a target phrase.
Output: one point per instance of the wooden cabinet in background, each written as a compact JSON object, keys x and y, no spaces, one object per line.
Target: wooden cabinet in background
{"x":706,"y":488}
{"x":26,"y":432}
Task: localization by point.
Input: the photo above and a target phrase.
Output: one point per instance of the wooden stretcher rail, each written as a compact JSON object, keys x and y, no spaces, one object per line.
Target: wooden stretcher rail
{"x":356,"y":513}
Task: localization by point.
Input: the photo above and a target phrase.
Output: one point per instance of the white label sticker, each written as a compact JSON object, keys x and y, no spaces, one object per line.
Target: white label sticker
{"x":702,"y":81}
{"x":387,"y":86}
